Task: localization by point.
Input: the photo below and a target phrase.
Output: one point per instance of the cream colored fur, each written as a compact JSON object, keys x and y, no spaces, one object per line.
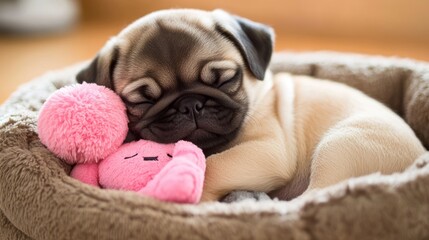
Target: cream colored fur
{"x":308,"y":133}
{"x":300,"y":133}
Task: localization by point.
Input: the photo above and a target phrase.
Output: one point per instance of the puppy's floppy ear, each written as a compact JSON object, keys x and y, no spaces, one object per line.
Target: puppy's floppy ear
{"x":254,"y":40}
{"x":101,"y":68}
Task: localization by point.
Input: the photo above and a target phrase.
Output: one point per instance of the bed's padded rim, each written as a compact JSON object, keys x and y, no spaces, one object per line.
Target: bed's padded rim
{"x":39,"y":200}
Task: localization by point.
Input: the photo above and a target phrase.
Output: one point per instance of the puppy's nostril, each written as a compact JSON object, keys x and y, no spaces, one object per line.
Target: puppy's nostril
{"x":198,"y":106}
{"x":184,"y":109}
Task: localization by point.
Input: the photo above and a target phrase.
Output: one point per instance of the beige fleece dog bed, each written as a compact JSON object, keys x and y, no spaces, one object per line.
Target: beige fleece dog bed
{"x":39,"y":201}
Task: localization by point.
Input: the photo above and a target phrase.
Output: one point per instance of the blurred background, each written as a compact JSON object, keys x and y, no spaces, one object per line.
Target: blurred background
{"x":41,"y":35}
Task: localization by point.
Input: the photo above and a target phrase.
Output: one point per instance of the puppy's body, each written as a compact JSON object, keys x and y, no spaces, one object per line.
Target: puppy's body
{"x":307,"y":134}
{"x":201,"y":76}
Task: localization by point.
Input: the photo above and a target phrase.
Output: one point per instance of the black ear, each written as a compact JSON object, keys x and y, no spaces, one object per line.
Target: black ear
{"x":254,"y":40}
{"x":89,"y":73}
{"x":101,"y":69}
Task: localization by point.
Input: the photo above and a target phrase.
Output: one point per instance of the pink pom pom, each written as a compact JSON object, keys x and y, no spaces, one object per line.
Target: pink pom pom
{"x":83,"y":123}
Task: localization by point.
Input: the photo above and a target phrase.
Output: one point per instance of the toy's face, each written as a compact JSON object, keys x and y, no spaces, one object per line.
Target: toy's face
{"x":134,"y":164}
{"x":145,"y":151}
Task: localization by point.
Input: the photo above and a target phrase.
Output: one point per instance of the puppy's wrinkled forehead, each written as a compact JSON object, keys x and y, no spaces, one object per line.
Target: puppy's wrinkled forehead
{"x":172,"y":48}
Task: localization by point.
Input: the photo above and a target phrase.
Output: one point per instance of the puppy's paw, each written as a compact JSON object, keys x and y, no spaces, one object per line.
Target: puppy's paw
{"x":239,"y":195}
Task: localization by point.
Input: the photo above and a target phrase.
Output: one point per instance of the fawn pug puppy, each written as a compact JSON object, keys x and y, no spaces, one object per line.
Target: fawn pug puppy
{"x":202,"y":76}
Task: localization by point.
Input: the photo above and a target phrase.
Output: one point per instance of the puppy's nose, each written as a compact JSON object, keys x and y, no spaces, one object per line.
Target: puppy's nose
{"x":191,"y":104}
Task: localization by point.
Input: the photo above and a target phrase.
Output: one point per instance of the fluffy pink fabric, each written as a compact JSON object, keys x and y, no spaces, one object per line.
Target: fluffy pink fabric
{"x":87,"y":123}
{"x":83,"y":123}
{"x":169,"y":172}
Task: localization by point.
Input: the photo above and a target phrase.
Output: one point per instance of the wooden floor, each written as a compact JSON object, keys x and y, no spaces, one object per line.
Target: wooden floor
{"x":23,"y":58}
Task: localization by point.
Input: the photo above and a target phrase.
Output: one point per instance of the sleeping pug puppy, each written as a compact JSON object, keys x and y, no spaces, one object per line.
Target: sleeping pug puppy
{"x":202,"y":77}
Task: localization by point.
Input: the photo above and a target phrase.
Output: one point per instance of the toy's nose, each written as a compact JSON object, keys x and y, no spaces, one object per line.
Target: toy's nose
{"x":155,"y":158}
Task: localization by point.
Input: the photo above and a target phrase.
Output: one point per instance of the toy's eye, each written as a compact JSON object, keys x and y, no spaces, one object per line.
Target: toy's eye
{"x":169,"y":155}
{"x":131,"y":156}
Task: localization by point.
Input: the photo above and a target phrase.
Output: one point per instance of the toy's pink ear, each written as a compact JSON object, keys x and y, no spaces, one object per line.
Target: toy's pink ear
{"x":189,"y":151}
{"x":87,"y":173}
{"x":83,"y":123}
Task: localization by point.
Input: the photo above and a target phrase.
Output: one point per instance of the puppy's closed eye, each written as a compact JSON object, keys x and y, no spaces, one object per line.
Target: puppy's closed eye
{"x":217,"y":73}
{"x":143,"y":90}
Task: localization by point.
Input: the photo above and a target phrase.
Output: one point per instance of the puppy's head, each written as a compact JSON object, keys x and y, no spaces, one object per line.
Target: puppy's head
{"x":184,"y":74}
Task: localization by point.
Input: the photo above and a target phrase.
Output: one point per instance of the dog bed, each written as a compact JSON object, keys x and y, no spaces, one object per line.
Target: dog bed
{"x":38,"y":200}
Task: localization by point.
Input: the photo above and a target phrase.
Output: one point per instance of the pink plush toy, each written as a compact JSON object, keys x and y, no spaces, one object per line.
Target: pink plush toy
{"x":86,"y":125}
